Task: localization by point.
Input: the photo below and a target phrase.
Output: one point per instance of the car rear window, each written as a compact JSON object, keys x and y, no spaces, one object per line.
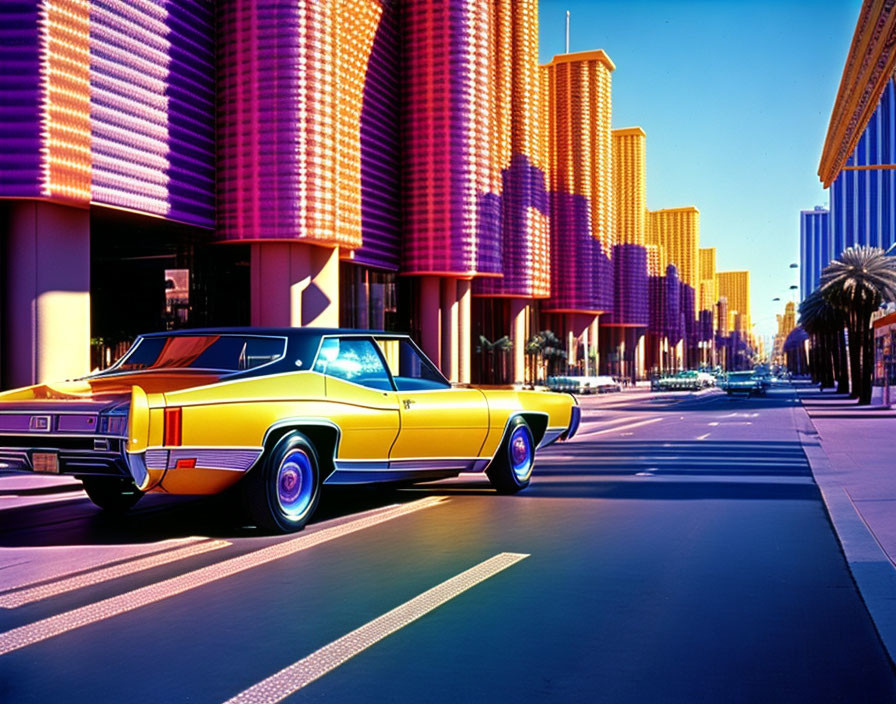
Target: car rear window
{"x":227,"y":353}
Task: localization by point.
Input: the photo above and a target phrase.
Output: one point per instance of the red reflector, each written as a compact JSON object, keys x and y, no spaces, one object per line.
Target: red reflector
{"x":186,"y":464}
{"x":172,"y":426}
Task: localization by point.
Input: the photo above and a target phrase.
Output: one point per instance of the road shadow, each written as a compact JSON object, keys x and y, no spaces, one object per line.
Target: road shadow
{"x":77,"y":521}
{"x":601,"y":469}
{"x":664,"y":470}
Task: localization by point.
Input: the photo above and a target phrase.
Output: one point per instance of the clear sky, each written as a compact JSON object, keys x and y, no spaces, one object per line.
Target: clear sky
{"x":735,"y":98}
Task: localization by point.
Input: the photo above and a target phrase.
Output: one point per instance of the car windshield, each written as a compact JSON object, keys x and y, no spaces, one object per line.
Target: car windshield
{"x":226,"y":353}
{"x":740,"y":376}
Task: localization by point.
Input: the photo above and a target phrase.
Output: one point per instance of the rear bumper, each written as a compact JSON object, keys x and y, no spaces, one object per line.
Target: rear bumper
{"x":74,"y":456}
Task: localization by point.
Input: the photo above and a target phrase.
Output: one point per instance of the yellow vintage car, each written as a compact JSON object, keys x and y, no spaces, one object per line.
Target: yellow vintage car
{"x":281,"y":411}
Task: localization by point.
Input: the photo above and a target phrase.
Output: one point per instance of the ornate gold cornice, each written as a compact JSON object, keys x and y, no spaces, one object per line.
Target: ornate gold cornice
{"x":869,"y":65}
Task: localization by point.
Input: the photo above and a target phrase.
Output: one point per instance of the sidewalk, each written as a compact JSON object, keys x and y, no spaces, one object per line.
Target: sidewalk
{"x":853,"y":458}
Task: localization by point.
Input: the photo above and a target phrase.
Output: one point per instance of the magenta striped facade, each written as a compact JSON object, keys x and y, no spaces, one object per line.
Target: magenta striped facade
{"x":451,"y":216}
{"x":276,"y":128}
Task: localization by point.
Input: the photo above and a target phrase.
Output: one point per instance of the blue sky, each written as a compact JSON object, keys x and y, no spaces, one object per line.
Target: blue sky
{"x":735,"y":98}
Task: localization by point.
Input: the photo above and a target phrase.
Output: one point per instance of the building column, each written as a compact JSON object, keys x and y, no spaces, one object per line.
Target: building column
{"x":519,"y":312}
{"x":595,"y":342}
{"x":431,"y":318}
{"x":570,"y":350}
{"x":449,"y":328}
{"x":294,"y":285}
{"x":362,"y":297}
{"x":46,"y":306}
{"x":641,"y":368}
{"x":464,"y":298}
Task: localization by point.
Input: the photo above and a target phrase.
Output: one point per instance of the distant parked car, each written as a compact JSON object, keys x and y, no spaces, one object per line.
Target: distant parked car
{"x":582,"y":384}
{"x":685,"y":381}
{"x":747,"y":383}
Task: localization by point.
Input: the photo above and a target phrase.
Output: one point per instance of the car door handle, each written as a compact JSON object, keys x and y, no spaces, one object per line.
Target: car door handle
{"x":407,"y":403}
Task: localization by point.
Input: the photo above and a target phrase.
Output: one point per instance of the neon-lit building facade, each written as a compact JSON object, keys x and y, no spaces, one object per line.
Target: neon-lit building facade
{"x":582,"y":236}
{"x":367,"y":163}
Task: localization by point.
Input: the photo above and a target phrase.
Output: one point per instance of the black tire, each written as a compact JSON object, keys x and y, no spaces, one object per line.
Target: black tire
{"x":282,"y":493}
{"x":511,"y":473}
{"x":111,"y":494}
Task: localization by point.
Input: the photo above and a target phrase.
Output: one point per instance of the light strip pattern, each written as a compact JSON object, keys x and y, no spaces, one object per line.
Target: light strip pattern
{"x":39,"y":631}
{"x":30,"y":593}
{"x":129,"y":81}
{"x":302,"y":673}
{"x":451,"y":217}
{"x":65,"y":119}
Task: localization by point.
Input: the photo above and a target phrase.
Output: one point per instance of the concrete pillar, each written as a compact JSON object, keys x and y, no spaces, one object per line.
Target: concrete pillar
{"x":464,"y":299}
{"x":641,"y":367}
{"x":570,"y":348}
{"x":519,"y":313}
{"x":449,"y":328}
{"x":361,"y":303}
{"x":586,"y":350}
{"x":377,"y":306}
{"x":595,"y":341}
{"x":46,"y":304}
{"x":294,"y":285}
{"x":431,"y":318}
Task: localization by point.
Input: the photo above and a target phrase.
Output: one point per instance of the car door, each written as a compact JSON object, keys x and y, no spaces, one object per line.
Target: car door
{"x":441,"y":426}
{"x":360,"y":398}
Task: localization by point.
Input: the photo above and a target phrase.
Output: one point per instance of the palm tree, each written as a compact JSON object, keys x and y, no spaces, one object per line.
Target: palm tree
{"x":824,"y":325}
{"x":857,"y":283}
{"x":491,"y":350}
{"x":547,"y":345}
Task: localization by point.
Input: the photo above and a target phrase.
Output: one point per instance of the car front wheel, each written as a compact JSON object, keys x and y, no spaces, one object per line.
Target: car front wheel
{"x":284,"y":491}
{"x":512,"y":467}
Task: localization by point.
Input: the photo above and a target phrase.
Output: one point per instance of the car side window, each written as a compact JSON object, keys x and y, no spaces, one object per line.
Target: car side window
{"x":411,"y":371}
{"x":353,"y":359}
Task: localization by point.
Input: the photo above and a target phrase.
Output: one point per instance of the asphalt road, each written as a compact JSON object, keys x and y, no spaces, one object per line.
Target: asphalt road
{"x":676,"y":551}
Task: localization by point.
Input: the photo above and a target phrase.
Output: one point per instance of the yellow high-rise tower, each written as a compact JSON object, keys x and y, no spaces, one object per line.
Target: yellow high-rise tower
{"x":630,"y":185}
{"x":708,"y":292}
{"x":677,"y":230}
{"x":581,"y":136}
{"x":735,"y":287}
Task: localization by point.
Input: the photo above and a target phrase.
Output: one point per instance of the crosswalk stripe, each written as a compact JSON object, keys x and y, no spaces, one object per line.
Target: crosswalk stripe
{"x":29,"y":593}
{"x":619,"y":428}
{"x":305,"y":671}
{"x":107,"y":608}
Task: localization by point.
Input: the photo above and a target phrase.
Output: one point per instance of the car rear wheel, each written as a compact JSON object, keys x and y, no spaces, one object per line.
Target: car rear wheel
{"x":284,"y":491}
{"x":111,"y":494}
{"x":512,"y":467}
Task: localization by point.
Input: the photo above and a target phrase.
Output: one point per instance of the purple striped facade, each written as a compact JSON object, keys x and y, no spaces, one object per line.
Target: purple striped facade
{"x":148,"y":89}
{"x":631,"y":305}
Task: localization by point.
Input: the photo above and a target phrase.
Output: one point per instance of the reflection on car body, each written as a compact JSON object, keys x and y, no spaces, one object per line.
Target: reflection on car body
{"x":278,"y":412}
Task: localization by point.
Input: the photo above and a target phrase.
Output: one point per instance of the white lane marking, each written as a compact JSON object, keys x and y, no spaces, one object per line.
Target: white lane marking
{"x":703,"y":437}
{"x":303,"y":672}
{"x":608,"y":421}
{"x":107,"y":608}
{"x":619,"y":428}
{"x":29,"y":593}
{"x":714,"y":423}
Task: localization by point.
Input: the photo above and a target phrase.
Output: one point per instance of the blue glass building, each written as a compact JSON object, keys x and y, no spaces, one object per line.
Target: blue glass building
{"x":815,"y":247}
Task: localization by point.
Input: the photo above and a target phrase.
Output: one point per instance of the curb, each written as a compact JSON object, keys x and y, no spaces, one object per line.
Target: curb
{"x":872,"y":571}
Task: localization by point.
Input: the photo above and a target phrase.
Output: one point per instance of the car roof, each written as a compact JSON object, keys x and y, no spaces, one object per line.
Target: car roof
{"x":280,"y":332}
{"x":301,"y":350}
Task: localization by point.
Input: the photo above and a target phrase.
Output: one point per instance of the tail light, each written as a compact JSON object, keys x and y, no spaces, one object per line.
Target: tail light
{"x":173,"y":425}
